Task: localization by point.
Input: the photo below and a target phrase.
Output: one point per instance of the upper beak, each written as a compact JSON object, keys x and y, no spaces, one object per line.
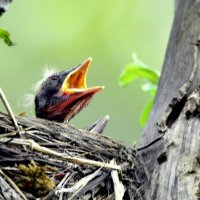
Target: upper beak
{"x":75,"y":81}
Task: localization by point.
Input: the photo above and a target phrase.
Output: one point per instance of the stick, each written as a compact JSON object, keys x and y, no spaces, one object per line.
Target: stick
{"x":79,"y":185}
{"x":9,"y":110}
{"x":35,"y":146}
{"x":118,"y":186}
{"x":13,"y":185}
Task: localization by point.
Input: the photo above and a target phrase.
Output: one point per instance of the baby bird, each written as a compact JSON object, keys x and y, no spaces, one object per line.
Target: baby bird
{"x":63,"y":94}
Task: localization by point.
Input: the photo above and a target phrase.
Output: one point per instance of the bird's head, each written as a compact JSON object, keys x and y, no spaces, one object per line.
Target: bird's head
{"x":63,"y":94}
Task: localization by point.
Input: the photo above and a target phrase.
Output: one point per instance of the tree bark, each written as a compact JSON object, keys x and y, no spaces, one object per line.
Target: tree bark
{"x":174,"y":162}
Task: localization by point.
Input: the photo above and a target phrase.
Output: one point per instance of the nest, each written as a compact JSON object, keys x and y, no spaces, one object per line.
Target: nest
{"x":49,"y":160}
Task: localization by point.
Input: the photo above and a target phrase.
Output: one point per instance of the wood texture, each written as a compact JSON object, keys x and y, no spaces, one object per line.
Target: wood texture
{"x":174,"y":162}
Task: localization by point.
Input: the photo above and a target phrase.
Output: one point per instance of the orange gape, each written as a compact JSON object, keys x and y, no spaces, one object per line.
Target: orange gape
{"x":64,"y":94}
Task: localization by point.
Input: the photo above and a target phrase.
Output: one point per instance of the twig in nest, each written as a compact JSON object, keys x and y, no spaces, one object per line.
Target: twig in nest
{"x":79,"y":185}
{"x":62,"y":184}
{"x":35,"y":146}
{"x":118,"y":186}
{"x":9,"y":110}
{"x":13,"y":185}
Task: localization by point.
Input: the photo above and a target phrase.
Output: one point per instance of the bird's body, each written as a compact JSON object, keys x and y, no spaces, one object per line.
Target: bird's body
{"x":63,"y":94}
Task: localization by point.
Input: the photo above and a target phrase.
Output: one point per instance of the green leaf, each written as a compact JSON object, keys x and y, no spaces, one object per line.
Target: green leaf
{"x":145,"y":113}
{"x":149,"y":87}
{"x":138,"y":69}
{"x":5,"y":35}
{"x":138,"y":61}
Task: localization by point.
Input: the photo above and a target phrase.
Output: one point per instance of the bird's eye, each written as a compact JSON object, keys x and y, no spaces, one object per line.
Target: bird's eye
{"x":54,"y":78}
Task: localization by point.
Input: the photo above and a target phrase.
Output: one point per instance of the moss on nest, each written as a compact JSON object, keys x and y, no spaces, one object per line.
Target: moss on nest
{"x":35,"y":180}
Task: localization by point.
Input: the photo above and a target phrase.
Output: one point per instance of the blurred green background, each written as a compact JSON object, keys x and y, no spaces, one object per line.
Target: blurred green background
{"x":63,"y":33}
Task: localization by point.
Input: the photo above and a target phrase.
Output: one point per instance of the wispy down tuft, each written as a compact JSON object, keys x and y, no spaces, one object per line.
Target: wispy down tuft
{"x":29,"y":98}
{"x":46,"y":73}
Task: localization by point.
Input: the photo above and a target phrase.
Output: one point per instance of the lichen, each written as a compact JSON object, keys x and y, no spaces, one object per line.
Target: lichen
{"x":35,"y":180}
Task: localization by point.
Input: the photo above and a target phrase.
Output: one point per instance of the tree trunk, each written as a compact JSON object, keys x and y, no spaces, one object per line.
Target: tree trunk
{"x":174,"y":162}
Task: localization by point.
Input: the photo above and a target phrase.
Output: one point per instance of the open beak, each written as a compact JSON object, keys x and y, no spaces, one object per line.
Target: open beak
{"x":75,"y":92}
{"x":75,"y":84}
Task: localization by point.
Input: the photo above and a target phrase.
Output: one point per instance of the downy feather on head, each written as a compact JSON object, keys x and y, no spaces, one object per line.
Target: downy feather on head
{"x":29,"y":98}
